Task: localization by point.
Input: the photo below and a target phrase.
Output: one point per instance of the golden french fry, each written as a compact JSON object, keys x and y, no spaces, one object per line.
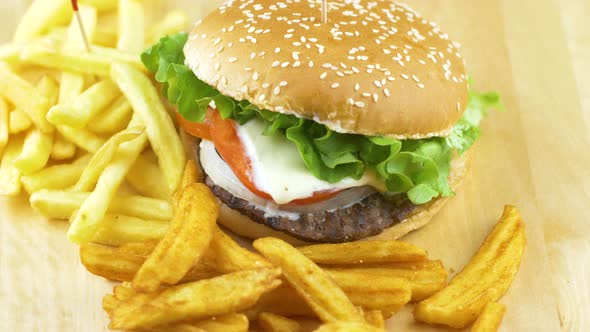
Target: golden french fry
{"x":232,"y":322}
{"x":62,"y":149}
{"x":164,"y":139}
{"x":93,"y":209}
{"x":35,"y":153}
{"x":114,"y":119}
{"x":40,"y":17}
{"x":383,"y":301}
{"x":98,"y":62}
{"x":82,"y":138}
{"x":10,"y":176}
{"x":109,"y":302}
{"x":55,"y":177}
{"x":313,"y":284}
{"x":103,"y":157}
{"x":3,"y":125}
{"x":131,"y":26}
{"x":490,"y":318}
{"x":188,"y":176}
{"x":196,"y":300}
{"x":174,"y":21}
{"x":117,"y":229}
{"x":231,"y":257}
{"x":270,"y":322}
{"x":123,"y":292}
{"x":109,"y":262}
{"x":84,"y":107}
{"x":284,"y":301}
{"x":425,"y":277}
{"x":376,"y":251}
{"x":18,"y":122}
{"x":347,"y":327}
{"x":485,"y":278}
{"x":61,"y":205}
{"x":188,"y":237}
{"x":375,"y":318}
{"x":102,"y":5}
{"x":147,"y":178}
{"x":25,"y":97}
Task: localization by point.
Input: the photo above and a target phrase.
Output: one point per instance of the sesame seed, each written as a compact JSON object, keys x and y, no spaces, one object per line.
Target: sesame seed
{"x":283,"y":83}
{"x":357,"y":87}
{"x":421,"y":86}
{"x":265,"y":85}
{"x":310,"y":64}
{"x":375,"y":97}
{"x":277,"y":50}
{"x":405,"y":76}
{"x":323,"y":75}
{"x":366,"y":94}
{"x":277,"y":90}
{"x":275,"y":64}
{"x":335,"y":85}
{"x":359,"y":104}
{"x":284,"y":64}
{"x":255,"y":76}
{"x":386,"y":92}
{"x":378,"y":84}
{"x":232,"y":59}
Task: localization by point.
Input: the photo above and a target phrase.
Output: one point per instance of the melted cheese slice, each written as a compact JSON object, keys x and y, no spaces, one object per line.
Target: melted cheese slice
{"x":277,"y":167}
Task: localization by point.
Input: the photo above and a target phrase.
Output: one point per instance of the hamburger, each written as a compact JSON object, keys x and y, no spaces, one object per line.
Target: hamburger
{"x":322,"y":131}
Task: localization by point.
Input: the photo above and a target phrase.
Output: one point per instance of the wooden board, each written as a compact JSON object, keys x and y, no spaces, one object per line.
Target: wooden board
{"x":534,"y":156}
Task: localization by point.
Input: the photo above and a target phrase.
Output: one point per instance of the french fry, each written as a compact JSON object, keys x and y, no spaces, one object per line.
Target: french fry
{"x":231,"y":257}
{"x":55,"y":177}
{"x":114,"y":119}
{"x":196,"y":300}
{"x":284,"y":301}
{"x":232,"y":322}
{"x":160,"y":129}
{"x":102,"y":5}
{"x":75,"y":40}
{"x":189,"y":235}
{"x":147,"y":178}
{"x":71,"y":85}
{"x":105,"y":37}
{"x":109,"y":302}
{"x":383,"y":301}
{"x":10,"y":53}
{"x":485,"y":278}
{"x":18,"y":122}
{"x":61,"y":205}
{"x":490,"y":318}
{"x":313,"y":284}
{"x":98,"y":62}
{"x":377,"y":251}
{"x":174,"y":21}
{"x":425,"y":277}
{"x":84,"y":107}
{"x":189,"y":176}
{"x":118,"y":229}
{"x":347,"y":327}
{"x":40,"y":17}
{"x":35,"y":153}
{"x":10,"y":176}
{"x":82,"y":138}
{"x":270,"y":322}
{"x":3,"y":125}
{"x":103,"y":157}
{"x":93,"y":209}
{"x":62,"y":149}
{"x":131,"y":26}
{"x":375,"y":318}
{"x":25,"y":97}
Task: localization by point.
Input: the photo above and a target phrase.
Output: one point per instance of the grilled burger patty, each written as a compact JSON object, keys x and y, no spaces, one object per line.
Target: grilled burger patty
{"x":367,"y":217}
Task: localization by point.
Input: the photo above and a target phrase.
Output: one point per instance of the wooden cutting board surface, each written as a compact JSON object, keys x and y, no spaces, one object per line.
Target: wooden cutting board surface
{"x":535,"y":156}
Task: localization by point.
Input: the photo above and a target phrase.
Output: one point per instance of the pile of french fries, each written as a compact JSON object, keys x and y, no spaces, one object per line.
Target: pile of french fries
{"x":86,"y":135}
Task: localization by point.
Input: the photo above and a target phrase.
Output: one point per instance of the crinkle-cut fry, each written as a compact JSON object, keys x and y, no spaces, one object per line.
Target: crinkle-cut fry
{"x":3,"y":125}
{"x":114,"y":119}
{"x":270,"y":322}
{"x":384,"y":301}
{"x":375,"y":318}
{"x":196,"y":300}
{"x":347,"y":327}
{"x":326,"y":299}
{"x":101,"y":159}
{"x":84,"y":139}
{"x":490,"y":318}
{"x":109,"y":302}
{"x":109,"y":262}
{"x":86,"y":222}
{"x":62,"y":148}
{"x":116,"y":230}
{"x":147,"y":178}
{"x":18,"y":121}
{"x":59,"y":204}
{"x":123,"y":292}
{"x":84,"y":107}
{"x":189,"y":235}
{"x":425,"y":277}
{"x":188,"y":176}
{"x":10,"y":176}
{"x":229,"y":256}
{"x":363,"y":252}
{"x":232,"y":322}
{"x":284,"y":301}
{"x":24,"y":96}
{"x":55,"y":177}
{"x":162,"y":134}
{"x":40,"y":17}
{"x":485,"y":278}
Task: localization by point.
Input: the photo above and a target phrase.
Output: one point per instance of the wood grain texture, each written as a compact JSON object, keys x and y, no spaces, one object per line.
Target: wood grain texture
{"x":534,"y":156}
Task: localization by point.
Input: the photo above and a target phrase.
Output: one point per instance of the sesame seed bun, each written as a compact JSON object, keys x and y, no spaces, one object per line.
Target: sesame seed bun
{"x":375,"y":68}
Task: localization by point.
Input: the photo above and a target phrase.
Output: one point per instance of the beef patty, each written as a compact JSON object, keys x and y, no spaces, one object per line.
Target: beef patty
{"x":367,"y":217}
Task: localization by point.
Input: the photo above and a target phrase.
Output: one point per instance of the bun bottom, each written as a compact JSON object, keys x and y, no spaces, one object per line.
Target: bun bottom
{"x":245,"y":227}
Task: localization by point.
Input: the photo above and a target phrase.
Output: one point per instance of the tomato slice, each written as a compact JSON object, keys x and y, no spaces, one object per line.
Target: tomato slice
{"x":197,"y":129}
{"x":224,"y":135}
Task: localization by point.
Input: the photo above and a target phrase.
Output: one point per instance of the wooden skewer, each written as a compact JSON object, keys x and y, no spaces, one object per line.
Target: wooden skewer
{"x":81,"y":25}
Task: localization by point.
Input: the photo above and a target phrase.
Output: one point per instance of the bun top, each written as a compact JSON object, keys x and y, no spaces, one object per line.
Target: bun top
{"x":375,"y":67}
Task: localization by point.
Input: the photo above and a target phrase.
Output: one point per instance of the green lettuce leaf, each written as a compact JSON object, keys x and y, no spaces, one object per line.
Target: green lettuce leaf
{"x":418,"y":168}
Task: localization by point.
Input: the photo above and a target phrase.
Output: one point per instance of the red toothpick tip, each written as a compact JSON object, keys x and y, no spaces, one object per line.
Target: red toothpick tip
{"x":75,"y":5}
